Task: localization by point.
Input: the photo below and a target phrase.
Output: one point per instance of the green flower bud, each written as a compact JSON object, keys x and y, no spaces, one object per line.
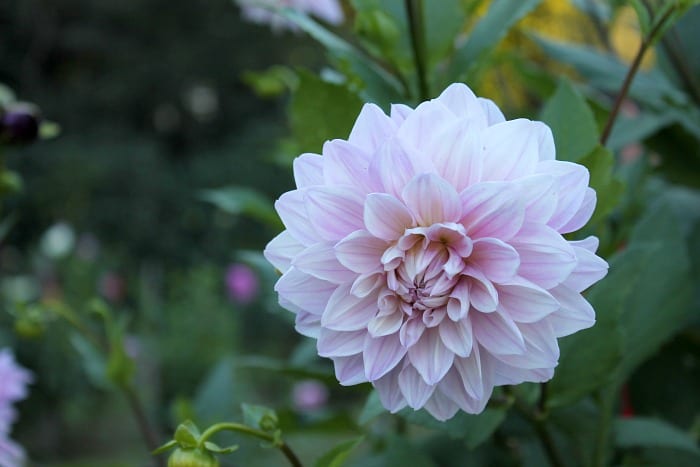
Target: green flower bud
{"x":192,"y":457}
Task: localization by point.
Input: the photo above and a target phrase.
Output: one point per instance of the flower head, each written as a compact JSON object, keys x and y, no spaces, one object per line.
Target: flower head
{"x":13,"y":387}
{"x":259,"y":11}
{"x":425,"y":253}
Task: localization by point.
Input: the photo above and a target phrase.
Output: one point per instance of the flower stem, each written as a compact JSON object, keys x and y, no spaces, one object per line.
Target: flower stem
{"x":538,"y":420}
{"x":414,"y":10}
{"x":634,"y":67}
{"x":240,"y":428}
{"x":149,"y":435}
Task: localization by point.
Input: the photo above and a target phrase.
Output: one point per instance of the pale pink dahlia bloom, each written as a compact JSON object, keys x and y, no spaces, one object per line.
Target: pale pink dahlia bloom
{"x":13,"y":387}
{"x":425,"y":253}
{"x":259,"y":11}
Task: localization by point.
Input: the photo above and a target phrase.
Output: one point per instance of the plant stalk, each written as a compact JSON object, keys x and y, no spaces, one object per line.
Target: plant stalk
{"x":414,"y":11}
{"x":147,"y":433}
{"x":240,"y":428}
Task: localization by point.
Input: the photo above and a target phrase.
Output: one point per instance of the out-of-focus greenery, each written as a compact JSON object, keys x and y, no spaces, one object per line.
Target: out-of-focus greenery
{"x":166,"y":168}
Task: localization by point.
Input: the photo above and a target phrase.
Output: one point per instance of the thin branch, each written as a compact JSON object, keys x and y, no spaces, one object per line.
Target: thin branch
{"x":679,"y":64}
{"x":147,"y":433}
{"x":414,"y":10}
{"x":634,"y":67}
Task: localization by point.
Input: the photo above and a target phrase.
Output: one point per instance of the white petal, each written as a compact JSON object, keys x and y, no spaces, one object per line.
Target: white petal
{"x":335,"y":212}
{"x":589,"y":243}
{"x":430,"y":356}
{"x":371,"y":128}
{"x":393,"y":167}
{"x":462,"y":102}
{"x":492,"y":209}
{"x":589,"y":270}
{"x":432,"y":200}
{"x":292,"y":210}
{"x":411,"y":330}
{"x":491,"y":110}
{"x":458,"y":304}
{"x":305,"y":291}
{"x":308,"y":170}
{"x":307,"y":324}
{"x":524,"y":302}
{"x":383,"y":325}
{"x":574,"y":315}
{"x":475,"y":378}
{"x":381,"y":355}
{"x":340,"y":344}
{"x":350,"y":370}
{"x":320,"y":261}
{"x":386,"y":217}
{"x":542,"y":349}
{"x":510,"y":150}
{"x":346,"y":312}
{"x":497,"y":260}
{"x":540,"y":197}
{"x":399,"y":112}
{"x":361,"y":252}
{"x":440,"y":406}
{"x":281,"y":250}
{"x":456,"y":154}
{"x":572,"y":181}
{"x":584,"y":213}
{"x":414,"y":389}
{"x":345,"y":164}
{"x":482,"y":294}
{"x":365,"y":284}
{"x":414,"y":133}
{"x":545,"y":257}
{"x":457,"y":336}
{"x":497,"y":334}
{"x":545,"y":141}
{"x":389,"y":392}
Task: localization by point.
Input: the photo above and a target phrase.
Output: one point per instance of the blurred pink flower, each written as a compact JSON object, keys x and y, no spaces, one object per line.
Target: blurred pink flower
{"x":425,"y":253}
{"x":256,"y":11}
{"x":13,"y":387}
{"x":112,"y":286}
{"x":309,"y":395}
{"x":241,"y":283}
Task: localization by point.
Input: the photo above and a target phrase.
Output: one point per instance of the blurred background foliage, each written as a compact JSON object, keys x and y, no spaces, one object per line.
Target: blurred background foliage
{"x":174,"y":144}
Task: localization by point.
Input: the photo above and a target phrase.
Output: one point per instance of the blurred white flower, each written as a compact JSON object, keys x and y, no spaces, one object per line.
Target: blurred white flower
{"x":58,"y":241}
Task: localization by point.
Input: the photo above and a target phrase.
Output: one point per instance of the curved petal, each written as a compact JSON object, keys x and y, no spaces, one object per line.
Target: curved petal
{"x":574,"y":314}
{"x":545,"y":257}
{"x":399,"y":112}
{"x":372,"y":127}
{"x":511,"y":149}
{"x":361,"y":252}
{"x":414,"y":133}
{"x":414,"y":389}
{"x":482,"y":294}
{"x":430,"y":356}
{"x":320,"y":261}
{"x":492,"y":209}
{"x":389,"y":392}
{"x":524,"y":302}
{"x":292,"y":210}
{"x":496,"y":259}
{"x":345,"y":164}
{"x":392,"y":167}
{"x":385,"y":324}
{"x":491,"y":110}
{"x":339,"y":344}
{"x":583,"y":214}
{"x":540,"y":197}
{"x":334,"y":211}
{"x":542,"y":349}
{"x":308,"y":170}
{"x":305,"y":291}
{"x":346,"y":312}
{"x":432,"y":200}
{"x":572,"y":181}
{"x":589,"y":269}
{"x":350,"y":370}
{"x":381,"y":355}
{"x":497,"y":334}
{"x":457,"y":336}
{"x":281,"y":250}
{"x":386,"y":217}
{"x":456,"y":154}
{"x":440,"y":406}
{"x":462,"y":102}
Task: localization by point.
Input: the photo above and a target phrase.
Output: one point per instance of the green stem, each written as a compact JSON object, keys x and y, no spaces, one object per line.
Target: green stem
{"x":600,"y":452}
{"x":148,"y":434}
{"x":538,"y":420}
{"x":634,"y":67}
{"x":414,"y":10}
{"x":240,"y":428}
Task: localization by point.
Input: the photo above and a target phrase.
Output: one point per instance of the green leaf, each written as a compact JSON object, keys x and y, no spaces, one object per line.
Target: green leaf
{"x":651,"y":432}
{"x":242,"y":201}
{"x":473,"y":429}
{"x":572,"y":123}
{"x":500,"y":17}
{"x":337,"y":456}
{"x":187,"y":434}
{"x":260,"y":417}
{"x":321,"y":111}
{"x":92,"y":360}
{"x":373,"y":408}
{"x":213,"y":447}
{"x":271,"y":82}
{"x":165,"y":447}
{"x":215,"y":398}
{"x":608,"y":188}
{"x":636,"y":129}
{"x":442,"y":25}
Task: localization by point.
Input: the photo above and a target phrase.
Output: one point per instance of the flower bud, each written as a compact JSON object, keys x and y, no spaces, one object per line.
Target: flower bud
{"x":192,"y":457}
{"x":19,"y":124}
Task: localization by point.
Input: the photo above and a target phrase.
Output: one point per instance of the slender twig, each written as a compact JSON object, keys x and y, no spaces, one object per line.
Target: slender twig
{"x":600,"y":451}
{"x":634,"y":67}
{"x":240,"y":428}
{"x":147,"y":433}
{"x":414,"y":10}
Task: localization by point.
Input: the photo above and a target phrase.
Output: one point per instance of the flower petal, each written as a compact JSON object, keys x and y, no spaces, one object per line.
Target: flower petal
{"x":572,"y":182}
{"x":574,"y":314}
{"x":414,"y":389}
{"x":491,"y":110}
{"x":430,"y":356}
{"x":589,"y":270}
{"x":334,"y":212}
{"x":432,"y":200}
{"x":583,"y":214}
{"x":385,"y":324}
{"x":308,"y":170}
{"x":545,"y":257}
{"x":462,"y":102}
{"x":440,"y":406}
{"x":292,"y":210}
{"x":497,"y":334}
{"x":320,"y":261}
{"x":350,"y":370}
{"x":492,"y":209}
{"x":346,"y":312}
{"x":393,"y":167}
{"x":511,"y":150}
{"x":456,"y":154}
{"x":345,"y":164}
{"x":381,"y":355}
{"x":340,"y":344}
{"x":386,"y":217}
{"x":542,"y":349}
{"x":414,"y":133}
{"x":371,"y":128}
{"x":457,"y":336}
{"x":281,"y":250}
{"x":524,"y":302}
{"x":497,"y":260}
{"x":361,"y":252}
{"x":305,"y":291}
{"x":482,"y":294}
{"x":389,"y":392}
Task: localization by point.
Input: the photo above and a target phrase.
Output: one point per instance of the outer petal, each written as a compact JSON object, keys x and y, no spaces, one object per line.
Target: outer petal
{"x":497,"y":260}
{"x":346,"y":312}
{"x":584,"y":213}
{"x":524,"y":302}
{"x":430,"y":356}
{"x":292,"y":210}
{"x":334,"y":212}
{"x":361,"y":252}
{"x":371,"y":128}
{"x":492,"y":209}
{"x":340,"y":344}
{"x":305,"y":291}
{"x":392,"y":167}
{"x":350,"y":370}
{"x":346,"y":164}
{"x":414,"y":389}
{"x":542,"y":349}
{"x":589,"y":270}
{"x":320,"y":261}
{"x":572,"y":181}
{"x":432,"y":200}
{"x":440,"y":406}
{"x":510,"y":150}
{"x":381,"y":355}
{"x":308,"y":170}
{"x":463,"y":103}
{"x":545,"y":257}
{"x":491,"y":110}
{"x":575,"y":312}
{"x":425,"y":120}
{"x":281,"y":250}
{"x":498,"y":334}
{"x":389,"y":392}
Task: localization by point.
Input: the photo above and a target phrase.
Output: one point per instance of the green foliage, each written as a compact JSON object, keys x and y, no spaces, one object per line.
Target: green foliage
{"x":239,"y":201}
{"x":608,"y":187}
{"x":321,"y":111}
{"x":649,"y":432}
{"x":337,"y":456}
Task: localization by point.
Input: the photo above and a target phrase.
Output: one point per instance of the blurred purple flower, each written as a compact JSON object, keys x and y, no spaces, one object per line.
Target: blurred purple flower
{"x":309,"y":395}
{"x":256,"y":11}
{"x":112,"y":286}
{"x":241,"y":283}
{"x":426,"y":255}
{"x":11,"y":453}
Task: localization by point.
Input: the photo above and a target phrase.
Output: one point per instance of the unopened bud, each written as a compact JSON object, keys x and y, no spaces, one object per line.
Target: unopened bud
{"x":192,"y":457}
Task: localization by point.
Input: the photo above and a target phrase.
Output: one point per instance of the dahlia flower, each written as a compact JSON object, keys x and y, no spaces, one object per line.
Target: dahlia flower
{"x":13,"y":387}
{"x":256,"y":11}
{"x":425,"y":252}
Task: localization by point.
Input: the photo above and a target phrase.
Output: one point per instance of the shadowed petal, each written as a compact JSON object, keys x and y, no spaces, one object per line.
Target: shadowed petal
{"x":574,"y":314}
{"x":281,"y":250}
{"x":308,"y":170}
{"x":430,"y":356}
{"x":292,"y":210}
{"x":492,"y":209}
{"x":457,"y":336}
{"x":589,"y":270}
{"x":334,"y":212}
{"x":340,"y":344}
{"x":350,"y":370}
{"x":497,"y":334}
{"x":414,"y":389}
{"x":361,"y":252}
{"x":305,"y":291}
{"x":389,"y":392}
{"x":432,"y":200}
{"x":386,"y":217}
{"x":545,"y":257}
{"x":381,"y":355}
{"x":346,"y":312}
{"x":320,"y":261}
